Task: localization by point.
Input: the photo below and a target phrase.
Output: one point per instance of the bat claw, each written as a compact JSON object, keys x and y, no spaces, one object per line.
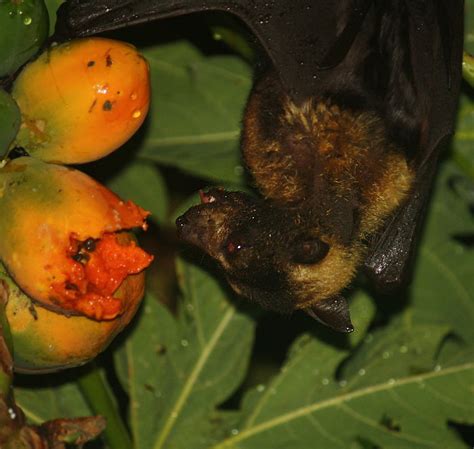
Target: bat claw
{"x":332,"y":312}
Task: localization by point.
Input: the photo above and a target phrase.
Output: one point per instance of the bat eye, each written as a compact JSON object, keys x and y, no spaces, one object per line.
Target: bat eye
{"x":233,"y":246}
{"x":309,"y":251}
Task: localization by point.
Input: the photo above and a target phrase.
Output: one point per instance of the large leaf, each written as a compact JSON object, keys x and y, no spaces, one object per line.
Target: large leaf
{"x":443,"y":288}
{"x":52,"y":6}
{"x":464,"y":137}
{"x":382,"y":397}
{"x":178,"y":371}
{"x":197,"y":104}
{"x":46,"y":399}
{"x":143,"y":184}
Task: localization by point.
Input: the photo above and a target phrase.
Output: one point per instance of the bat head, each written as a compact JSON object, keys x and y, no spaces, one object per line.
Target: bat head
{"x":269,"y":254}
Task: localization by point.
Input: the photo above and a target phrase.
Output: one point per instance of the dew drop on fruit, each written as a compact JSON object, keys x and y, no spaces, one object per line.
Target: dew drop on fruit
{"x":133,"y":96}
{"x":27,"y":20}
{"x":137,"y":113}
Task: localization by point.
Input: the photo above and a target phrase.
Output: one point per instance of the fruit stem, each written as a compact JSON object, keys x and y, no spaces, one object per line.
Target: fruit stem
{"x":97,"y":393}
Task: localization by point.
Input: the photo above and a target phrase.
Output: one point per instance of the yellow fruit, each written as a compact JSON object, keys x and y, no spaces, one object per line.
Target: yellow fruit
{"x":81,"y":100}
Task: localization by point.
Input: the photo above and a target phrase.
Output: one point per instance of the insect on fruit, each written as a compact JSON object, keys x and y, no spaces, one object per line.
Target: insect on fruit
{"x":341,"y":135}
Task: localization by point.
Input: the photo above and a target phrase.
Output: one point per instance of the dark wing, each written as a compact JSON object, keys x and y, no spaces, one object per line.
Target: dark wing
{"x":435,"y":35}
{"x":295,"y":35}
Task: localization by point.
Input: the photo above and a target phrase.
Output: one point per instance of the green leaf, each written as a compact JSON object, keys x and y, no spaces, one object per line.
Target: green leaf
{"x":52,"y":6}
{"x":177,"y":371}
{"x":380,"y":399}
{"x":142,"y":183}
{"x":23,"y":30}
{"x":196,"y":108}
{"x":443,"y":287}
{"x":469,"y":26}
{"x":463,"y":139}
{"x":362,"y":311}
{"x":43,"y":398}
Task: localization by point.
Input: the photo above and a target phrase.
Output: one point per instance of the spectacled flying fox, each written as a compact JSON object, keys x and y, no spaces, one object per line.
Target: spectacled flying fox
{"x":341,"y":135}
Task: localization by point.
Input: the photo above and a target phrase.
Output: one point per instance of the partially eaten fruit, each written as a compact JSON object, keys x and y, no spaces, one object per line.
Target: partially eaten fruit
{"x":63,"y":238}
{"x":81,"y":100}
{"x":44,"y":340}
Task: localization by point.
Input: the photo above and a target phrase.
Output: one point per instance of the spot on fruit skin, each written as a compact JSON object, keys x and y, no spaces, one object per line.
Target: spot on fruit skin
{"x":107,"y":106}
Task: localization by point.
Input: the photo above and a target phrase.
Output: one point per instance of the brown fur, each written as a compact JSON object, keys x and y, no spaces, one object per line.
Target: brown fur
{"x":346,"y":168}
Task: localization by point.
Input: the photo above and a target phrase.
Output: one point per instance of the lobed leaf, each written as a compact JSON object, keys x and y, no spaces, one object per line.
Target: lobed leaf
{"x":177,"y":371}
{"x":196,"y":108}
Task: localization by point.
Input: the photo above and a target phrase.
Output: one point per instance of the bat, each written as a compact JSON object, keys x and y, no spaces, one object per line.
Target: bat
{"x":341,"y":136}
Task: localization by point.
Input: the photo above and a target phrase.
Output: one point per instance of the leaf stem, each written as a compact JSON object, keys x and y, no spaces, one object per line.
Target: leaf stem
{"x":97,"y":393}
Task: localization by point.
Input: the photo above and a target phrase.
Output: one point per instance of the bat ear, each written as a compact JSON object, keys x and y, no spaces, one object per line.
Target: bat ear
{"x":332,"y":312}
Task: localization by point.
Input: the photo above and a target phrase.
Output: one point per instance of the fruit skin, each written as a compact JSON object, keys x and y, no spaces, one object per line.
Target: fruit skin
{"x":9,"y":120}
{"x":24,"y":26}
{"x":81,"y":100}
{"x":42,"y":206}
{"x":47,"y":341}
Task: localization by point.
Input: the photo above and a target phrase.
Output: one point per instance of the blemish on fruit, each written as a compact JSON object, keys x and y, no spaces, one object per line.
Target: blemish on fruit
{"x":32,"y":310}
{"x":91,"y":64}
{"x":92,"y":106}
{"x":108,"y":60}
{"x":107,"y":106}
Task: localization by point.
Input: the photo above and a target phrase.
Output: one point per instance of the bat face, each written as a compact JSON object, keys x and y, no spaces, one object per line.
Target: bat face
{"x":274,"y":256}
{"x":258,"y":245}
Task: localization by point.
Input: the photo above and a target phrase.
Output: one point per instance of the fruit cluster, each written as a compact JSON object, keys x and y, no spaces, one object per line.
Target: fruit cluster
{"x":69,"y":261}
